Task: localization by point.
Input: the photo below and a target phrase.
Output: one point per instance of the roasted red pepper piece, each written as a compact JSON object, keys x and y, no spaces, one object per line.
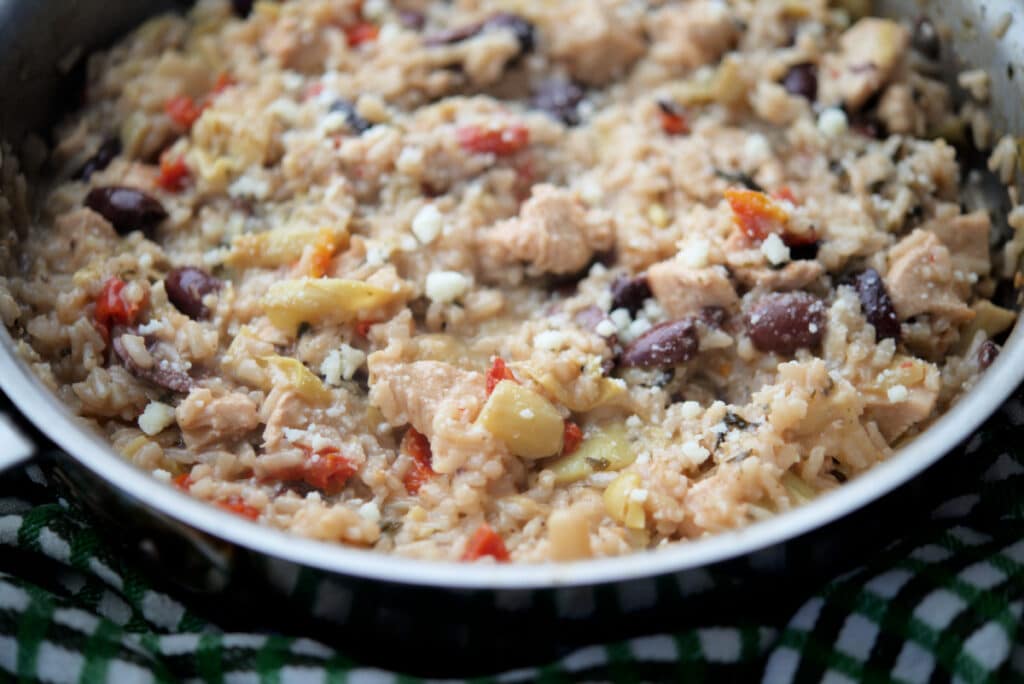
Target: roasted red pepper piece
{"x":183,"y":481}
{"x":173,"y":173}
{"x":571,"y":438}
{"x":673,"y":118}
{"x":417,"y":446}
{"x":757,"y":215}
{"x":498,"y":372}
{"x":183,"y":110}
{"x":363,"y":32}
{"x":328,"y":470}
{"x":499,"y":141}
{"x":112,"y":308}
{"x":486,"y":542}
{"x":237,"y":505}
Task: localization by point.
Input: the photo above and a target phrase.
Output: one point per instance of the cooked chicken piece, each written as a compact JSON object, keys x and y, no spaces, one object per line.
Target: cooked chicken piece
{"x":86,"y":234}
{"x":870,"y":50}
{"x":795,"y":275}
{"x":683,"y":291}
{"x":690,"y":35}
{"x":439,"y":400}
{"x":596,"y":42}
{"x":895,"y":418}
{"x":553,"y":233}
{"x":920,"y":279}
{"x":966,"y":238}
{"x":205,"y":419}
{"x":899,"y":113}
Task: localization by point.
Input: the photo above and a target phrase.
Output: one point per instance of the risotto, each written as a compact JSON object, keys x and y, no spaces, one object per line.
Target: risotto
{"x":511,"y":280}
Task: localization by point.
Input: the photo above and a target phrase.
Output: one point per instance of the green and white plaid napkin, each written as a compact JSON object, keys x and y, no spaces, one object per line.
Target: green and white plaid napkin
{"x":942,"y":605}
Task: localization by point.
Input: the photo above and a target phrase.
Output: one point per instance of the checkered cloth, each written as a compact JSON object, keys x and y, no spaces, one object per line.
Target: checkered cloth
{"x":942,"y":605}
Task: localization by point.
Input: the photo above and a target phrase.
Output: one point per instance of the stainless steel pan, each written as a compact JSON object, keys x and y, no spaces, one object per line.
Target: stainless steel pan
{"x":448,"y":617}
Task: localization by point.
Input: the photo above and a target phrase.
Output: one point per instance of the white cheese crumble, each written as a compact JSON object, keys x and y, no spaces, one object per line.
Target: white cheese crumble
{"x":638,"y":328}
{"x":756,"y":148}
{"x":634,"y":422}
{"x":690,"y":410}
{"x":341,"y":363}
{"x":551,"y":340}
{"x":427,"y":224}
{"x":695,"y":451}
{"x":156,"y":418}
{"x":526,"y":414}
{"x":775,"y":250}
{"x":445,"y":287}
{"x":621,"y":318}
{"x":897,"y":393}
{"x":833,"y":123}
{"x":369,"y":511}
{"x":643,"y":458}
{"x":293,"y":434}
{"x":606,"y":328}
{"x":162,"y":475}
{"x":694,"y":253}
{"x":249,"y":186}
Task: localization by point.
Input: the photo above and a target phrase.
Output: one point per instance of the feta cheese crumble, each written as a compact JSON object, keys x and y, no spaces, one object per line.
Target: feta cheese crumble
{"x":427,"y":224}
{"x":156,"y":418}
{"x":444,"y":287}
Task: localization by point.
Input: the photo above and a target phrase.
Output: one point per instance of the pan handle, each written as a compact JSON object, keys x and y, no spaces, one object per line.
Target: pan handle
{"x":15,"y":447}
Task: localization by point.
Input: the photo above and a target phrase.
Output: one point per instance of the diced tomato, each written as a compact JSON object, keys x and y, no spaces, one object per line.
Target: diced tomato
{"x":486,"y":542}
{"x":363,"y":32}
{"x":757,"y":215}
{"x":499,"y":141}
{"x":183,"y":482}
{"x":673,"y":118}
{"x":237,"y":505}
{"x":571,"y":438}
{"x":498,"y":372}
{"x":173,"y":173}
{"x":328,"y":470}
{"x":183,"y":110}
{"x":223,"y":82}
{"x":112,"y":309}
{"x":417,"y":446}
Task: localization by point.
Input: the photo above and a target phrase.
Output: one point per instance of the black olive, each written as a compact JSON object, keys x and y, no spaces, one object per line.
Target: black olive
{"x":664,"y":345}
{"x":186,"y":288}
{"x":630,"y":293}
{"x":242,"y":8}
{"x":356,"y":123}
{"x":877,"y":305}
{"x":783,"y":322}
{"x":802,"y":80}
{"x":127,"y":209}
{"x":559,"y":98}
{"x":105,"y":154}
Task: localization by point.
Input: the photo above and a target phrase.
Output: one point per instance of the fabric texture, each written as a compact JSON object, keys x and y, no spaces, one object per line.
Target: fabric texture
{"x":944,"y":604}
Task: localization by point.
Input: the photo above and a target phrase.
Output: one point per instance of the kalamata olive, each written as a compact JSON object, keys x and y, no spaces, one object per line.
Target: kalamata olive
{"x":356,"y":123}
{"x":242,"y":8}
{"x":590,"y":318}
{"x":523,"y":30}
{"x":411,"y":19}
{"x":559,"y":98}
{"x":877,"y":305}
{"x":162,"y":374}
{"x":802,"y":80}
{"x":105,"y":154}
{"x":127,"y":209}
{"x":804,"y":252}
{"x":520,"y":27}
{"x":630,"y":293}
{"x":926,"y":39}
{"x":783,"y":322}
{"x":987,"y":353}
{"x":186,"y":287}
{"x":667,"y":344}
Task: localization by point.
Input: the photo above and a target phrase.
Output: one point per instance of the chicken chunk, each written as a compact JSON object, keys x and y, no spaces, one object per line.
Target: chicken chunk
{"x":870,"y":51}
{"x":683,"y":291}
{"x":596,"y":43}
{"x":205,"y":419}
{"x":690,"y":35}
{"x":920,"y":279}
{"x":439,"y":400}
{"x":553,"y":233}
{"x":796,"y":275}
{"x":895,"y":418}
{"x":966,"y":238}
